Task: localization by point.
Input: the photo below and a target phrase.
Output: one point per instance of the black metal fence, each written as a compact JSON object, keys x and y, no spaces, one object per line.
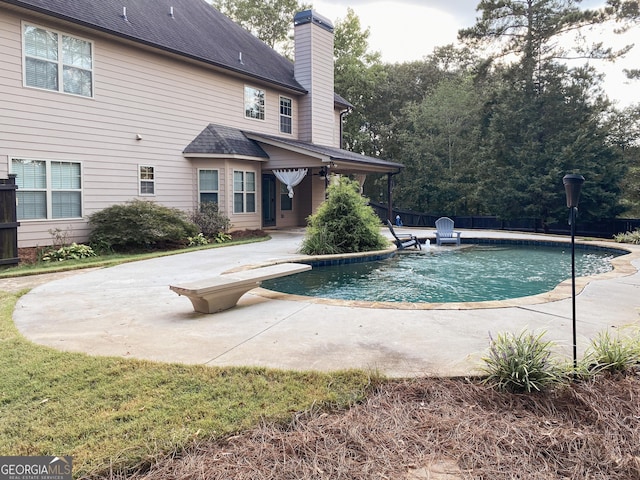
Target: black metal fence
{"x":600,"y":229}
{"x":8,"y":222}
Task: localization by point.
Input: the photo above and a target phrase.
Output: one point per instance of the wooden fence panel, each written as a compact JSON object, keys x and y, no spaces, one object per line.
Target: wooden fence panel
{"x":8,"y":222}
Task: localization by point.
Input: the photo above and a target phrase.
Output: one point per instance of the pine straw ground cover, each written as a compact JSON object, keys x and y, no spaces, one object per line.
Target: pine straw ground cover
{"x":586,"y":430}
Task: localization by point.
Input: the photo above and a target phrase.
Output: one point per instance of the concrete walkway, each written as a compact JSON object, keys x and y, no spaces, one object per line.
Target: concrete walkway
{"x":129,"y":311}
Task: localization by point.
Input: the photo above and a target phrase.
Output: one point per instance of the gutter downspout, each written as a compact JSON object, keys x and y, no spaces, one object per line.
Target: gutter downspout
{"x":342,"y":115}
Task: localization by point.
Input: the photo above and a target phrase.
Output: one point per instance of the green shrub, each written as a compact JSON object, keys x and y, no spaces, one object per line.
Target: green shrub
{"x":210,"y":220}
{"x":521,"y":363}
{"x":344,"y":223}
{"x":222,"y":237}
{"x":198,"y":240}
{"x":613,"y":354}
{"x":68,"y":252}
{"x":628,"y":237}
{"x":139,"y":224}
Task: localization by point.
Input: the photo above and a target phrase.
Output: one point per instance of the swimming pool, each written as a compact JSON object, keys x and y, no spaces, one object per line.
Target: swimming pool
{"x":474,"y":273}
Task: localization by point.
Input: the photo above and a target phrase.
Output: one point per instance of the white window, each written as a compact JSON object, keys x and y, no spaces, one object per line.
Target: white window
{"x":244,"y":192}
{"x":286,"y":115}
{"x":286,"y":202}
{"x":147,"y":180}
{"x":208,"y":185}
{"x":47,"y":189}
{"x":56,"y":61}
{"x":254,"y":103}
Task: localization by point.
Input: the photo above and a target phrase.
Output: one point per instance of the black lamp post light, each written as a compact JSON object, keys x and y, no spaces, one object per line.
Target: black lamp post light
{"x":572,"y":186}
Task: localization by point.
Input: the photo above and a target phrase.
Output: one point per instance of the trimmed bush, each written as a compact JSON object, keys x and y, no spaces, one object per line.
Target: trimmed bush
{"x":344,"y":223}
{"x":139,"y":224}
{"x":210,"y":220}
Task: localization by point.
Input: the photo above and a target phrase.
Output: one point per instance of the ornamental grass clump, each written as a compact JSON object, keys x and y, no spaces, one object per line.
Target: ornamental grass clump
{"x":613,"y":353}
{"x":521,"y":363}
{"x":628,"y":237}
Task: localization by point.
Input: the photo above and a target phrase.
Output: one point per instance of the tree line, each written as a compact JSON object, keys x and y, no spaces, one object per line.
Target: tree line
{"x":488,"y":126}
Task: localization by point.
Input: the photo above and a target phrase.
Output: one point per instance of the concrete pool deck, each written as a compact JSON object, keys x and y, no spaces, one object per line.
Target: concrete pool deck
{"x":129,"y":311}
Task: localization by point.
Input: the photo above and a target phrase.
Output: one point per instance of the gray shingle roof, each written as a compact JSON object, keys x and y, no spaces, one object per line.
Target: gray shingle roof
{"x":221,"y":140}
{"x":196,"y":30}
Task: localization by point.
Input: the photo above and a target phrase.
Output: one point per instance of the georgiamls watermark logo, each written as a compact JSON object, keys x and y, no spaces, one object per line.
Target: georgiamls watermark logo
{"x":35,"y":468}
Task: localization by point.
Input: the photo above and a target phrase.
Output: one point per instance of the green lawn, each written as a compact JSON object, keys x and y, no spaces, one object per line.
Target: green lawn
{"x":121,"y":413}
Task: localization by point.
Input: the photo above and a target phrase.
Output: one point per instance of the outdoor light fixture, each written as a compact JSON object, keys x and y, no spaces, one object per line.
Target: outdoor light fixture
{"x":572,"y":185}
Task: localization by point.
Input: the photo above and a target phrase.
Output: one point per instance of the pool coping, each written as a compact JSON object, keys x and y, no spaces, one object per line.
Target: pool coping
{"x":622,"y":266}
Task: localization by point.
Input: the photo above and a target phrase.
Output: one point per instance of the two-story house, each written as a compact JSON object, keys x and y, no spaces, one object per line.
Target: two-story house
{"x":105,"y":101}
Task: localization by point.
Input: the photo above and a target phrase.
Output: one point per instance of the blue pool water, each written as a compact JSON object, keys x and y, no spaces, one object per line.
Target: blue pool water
{"x":471,"y":274}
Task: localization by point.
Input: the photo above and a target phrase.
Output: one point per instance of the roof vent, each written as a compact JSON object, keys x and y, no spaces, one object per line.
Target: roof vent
{"x":124,"y":13}
{"x":240,"y":58}
{"x":171,"y":12}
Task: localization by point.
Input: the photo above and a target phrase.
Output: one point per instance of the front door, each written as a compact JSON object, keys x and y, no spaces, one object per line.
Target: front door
{"x":268,"y":200}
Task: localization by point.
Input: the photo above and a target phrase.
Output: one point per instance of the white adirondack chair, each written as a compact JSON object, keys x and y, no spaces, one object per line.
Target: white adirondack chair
{"x":445,"y":232}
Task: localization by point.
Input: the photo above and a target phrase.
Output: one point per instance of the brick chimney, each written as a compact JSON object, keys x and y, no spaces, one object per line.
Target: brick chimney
{"x":313,"y":68}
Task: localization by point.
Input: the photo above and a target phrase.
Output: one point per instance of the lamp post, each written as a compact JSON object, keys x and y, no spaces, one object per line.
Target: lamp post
{"x":572,"y":185}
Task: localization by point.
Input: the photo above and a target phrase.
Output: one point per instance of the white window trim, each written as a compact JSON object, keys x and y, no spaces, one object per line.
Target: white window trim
{"x":280,"y":115}
{"x":244,"y":192}
{"x":153,"y":181}
{"x":200,"y":192}
{"x":60,"y":61}
{"x":49,"y":189}
{"x":264,"y":106}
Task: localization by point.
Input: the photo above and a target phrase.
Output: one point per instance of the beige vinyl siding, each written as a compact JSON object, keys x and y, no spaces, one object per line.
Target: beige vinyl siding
{"x":323,"y":91}
{"x":314,"y":70}
{"x":165,"y":100}
{"x":242,"y":221}
{"x":279,"y":158}
{"x":302,"y":68}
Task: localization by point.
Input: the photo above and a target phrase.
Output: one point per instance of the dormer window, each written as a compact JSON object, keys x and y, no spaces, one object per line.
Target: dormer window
{"x":254,"y":103}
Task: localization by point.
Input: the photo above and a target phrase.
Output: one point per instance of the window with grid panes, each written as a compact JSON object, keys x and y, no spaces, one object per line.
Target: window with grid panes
{"x":285,"y":115}
{"x":47,"y":189}
{"x":147,"y":178}
{"x":208,"y":185}
{"x":254,"y":101}
{"x":56,"y":61}
{"x":244,"y":192}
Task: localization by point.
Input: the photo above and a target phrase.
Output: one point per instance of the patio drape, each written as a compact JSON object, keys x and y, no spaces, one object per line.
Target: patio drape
{"x":361,"y":178}
{"x":290,"y":177}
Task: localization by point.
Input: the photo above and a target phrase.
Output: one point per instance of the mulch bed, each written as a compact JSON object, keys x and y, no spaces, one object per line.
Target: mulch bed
{"x":28,"y":256}
{"x":588,"y":430}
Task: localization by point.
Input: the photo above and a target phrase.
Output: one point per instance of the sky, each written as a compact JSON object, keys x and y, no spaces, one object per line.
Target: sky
{"x":406,"y":30}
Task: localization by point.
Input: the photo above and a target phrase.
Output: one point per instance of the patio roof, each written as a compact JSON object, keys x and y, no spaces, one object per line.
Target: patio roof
{"x":222,"y":141}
